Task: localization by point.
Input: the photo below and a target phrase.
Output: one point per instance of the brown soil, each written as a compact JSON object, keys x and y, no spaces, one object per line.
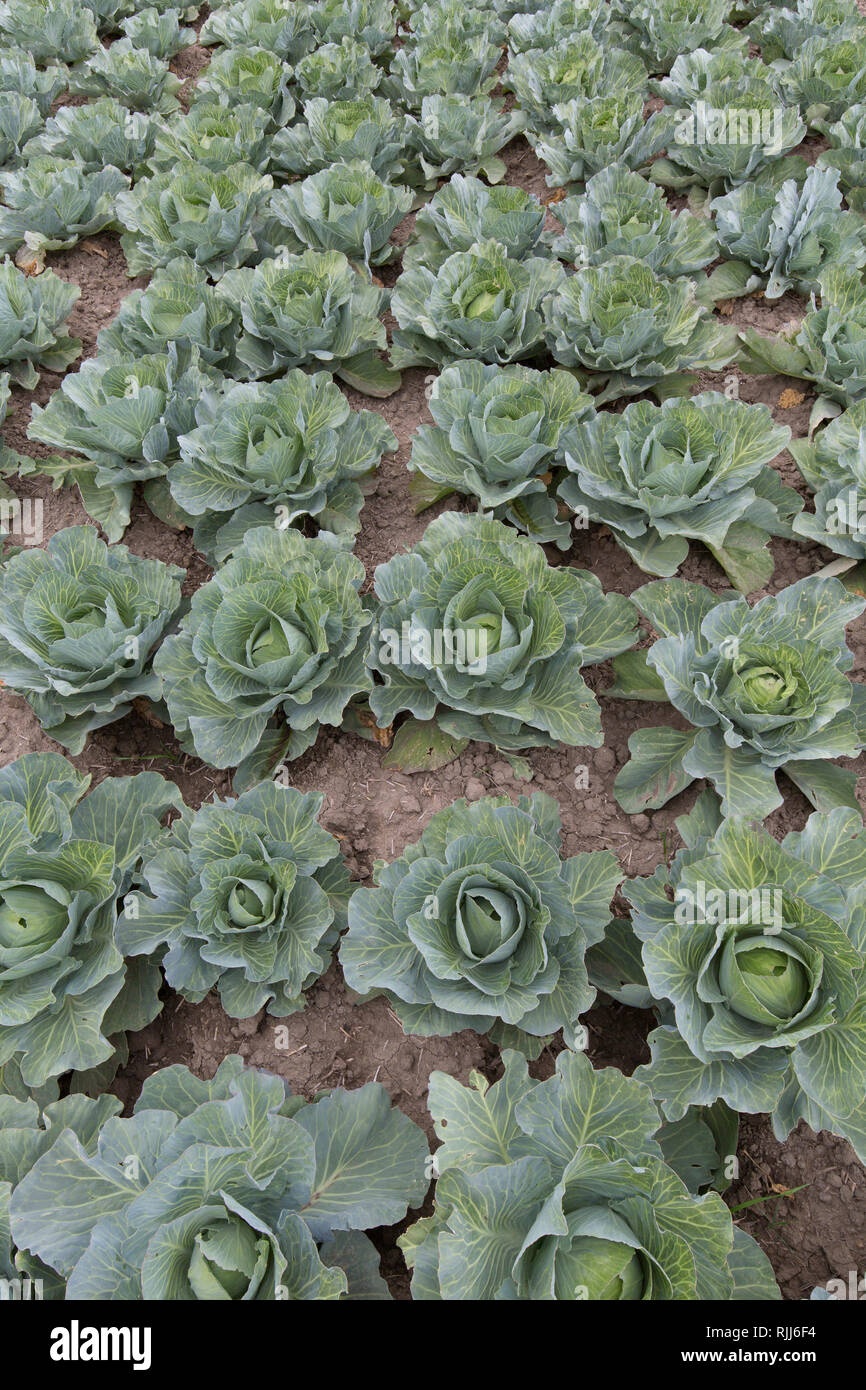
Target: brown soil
{"x":818,"y":1232}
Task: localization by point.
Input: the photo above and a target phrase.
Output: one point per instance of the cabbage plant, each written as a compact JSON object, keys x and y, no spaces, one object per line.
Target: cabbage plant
{"x":33,"y":1121}
{"x":346,"y":207}
{"x":310,"y":310}
{"x":284,"y":30}
{"x":124,"y":414}
{"x":68,"y":858}
{"x":19,"y":73}
{"x":585,"y":135}
{"x":459,"y":134}
{"x":499,"y":434}
{"x":576,"y":70}
{"x":248,"y":896}
{"x":286,"y":452}
{"x":213,"y":137}
{"x":627,"y":330}
{"x":206,"y":214}
{"x":765,"y":690}
{"x":781,"y":30}
{"x":449,"y":20}
{"x":828,"y":349}
{"x":728,"y":132}
{"x":440,"y":65}
{"x":129,"y":74}
{"x":791,"y":235}
{"x":33,"y":313}
{"x":178,"y":305}
{"x":372,"y":22}
{"x":754,"y":953}
{"x":558,"y":1190}
{"x":338,"y":71}
{"x":338,"y":132}
{"x":50,"y":31}
{"x":621,"y":214}
{"x":833,"y":463}
{"x":847,"y":153}
{"x":482,"y":925}
{"x":233,"y":1189}
{"x":272,"y":648}
{"x":696,"y":72}
{"x":20,"y":119}
{"x":50,"y":204}
{"x":551,"y":26}
{"x":159,"y":32}
{"x":826,"y":77}
{"x":101,"y":133}
{"x":248,"y":76}
{"x":465,"y":211}
{"x":79,"y":622}
{"x":658,"y":31}
{"x":477,"y":632}
{"x":480,"y":304}
{"x":698,"y":469}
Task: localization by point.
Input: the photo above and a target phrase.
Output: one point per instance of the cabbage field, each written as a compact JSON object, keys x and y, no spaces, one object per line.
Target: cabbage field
{"x":432,"y":649}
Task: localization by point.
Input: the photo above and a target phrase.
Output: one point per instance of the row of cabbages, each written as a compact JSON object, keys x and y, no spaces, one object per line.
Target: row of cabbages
{"x":178,"y":399}
{"x":233,"y":1189}
{"x":469,"y":635}
{"x":542,"y":1188}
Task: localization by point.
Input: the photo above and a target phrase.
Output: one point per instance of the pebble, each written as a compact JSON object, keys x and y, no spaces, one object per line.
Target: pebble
{"x":640,"y":822}
{"x":475,"y":789}
{"x":605,"y":760}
